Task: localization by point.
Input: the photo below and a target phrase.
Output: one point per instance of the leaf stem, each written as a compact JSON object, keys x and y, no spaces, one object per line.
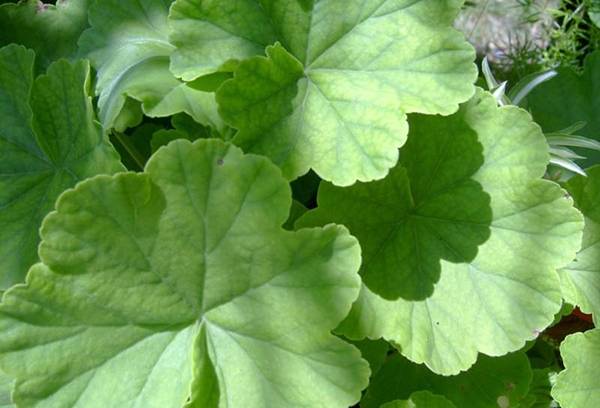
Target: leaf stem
{"x":125,"y":141}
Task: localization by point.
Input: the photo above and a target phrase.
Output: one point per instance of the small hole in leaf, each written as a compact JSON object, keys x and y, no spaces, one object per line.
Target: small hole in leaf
{"x":437,"y":323}
{"x":220,"y":162}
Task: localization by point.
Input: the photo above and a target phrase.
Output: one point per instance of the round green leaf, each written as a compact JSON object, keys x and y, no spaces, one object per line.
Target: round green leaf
{"x":490,"y":383}
{"x":179,"y":283}
{"x":128,"y":45}
{"x":569,"y":98}
{"x":462,"y":237}
{"x":421,"y":399}
{"x":577,"y":386}
{"x":333,"y":95}
{"x":49,"y":141}
{"x":581,"y":278}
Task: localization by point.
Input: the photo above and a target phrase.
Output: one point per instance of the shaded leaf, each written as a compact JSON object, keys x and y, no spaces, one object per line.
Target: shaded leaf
{"x":467,"y":210}
{"x":51,"y":30}
{"x":490,"y":379}
{"x":49,"y":141}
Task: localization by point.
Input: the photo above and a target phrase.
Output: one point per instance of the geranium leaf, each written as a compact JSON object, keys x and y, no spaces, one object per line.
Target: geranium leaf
{"x":577,"y":386}
{"x":465,"y":209}
{"x":183,"y":275}
{"x":184,"y":127}
{"x":6,"y":384}
{"x":128,"y":46}
{"x":569,"y":98}
{"x":48,"y":142}
{"x":51,"y":30}
{"x":490,"y":383}
{"x":581,"y":278}
{"x":539,"y":389}
{"x":421,"y":399}
{"x":333,"y":95}
{"x":374,"y":351}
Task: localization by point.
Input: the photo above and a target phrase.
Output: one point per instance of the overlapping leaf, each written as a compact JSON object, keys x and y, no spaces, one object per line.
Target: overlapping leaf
{"x":421,"y":399}
{"x":569,"y":98}
{"x":51,"y":30}
{"x":581,"y":278}
{"x":489,"y":381}
{"x":180,"y":283}
{"x":577,"y":386}
{"x":48,"y":142}
{"x":462,"y":237}
{"x":128,"y":46}
{"x":333,"y":96}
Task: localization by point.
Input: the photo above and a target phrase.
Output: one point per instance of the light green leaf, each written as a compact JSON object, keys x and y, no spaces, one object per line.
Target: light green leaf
{"x":128,"y":45}
{"x":462,"y":237}
{"x":48,"y":142}
{"x":421,"y":399}
{"x":577,"y":386}
{"x":51,"y":30}
{"x":333,"y":96}
{"x":569,"y":98}
{"x":183,"y":275}
{"x":489,"y":381}
{"x":581,"y":278}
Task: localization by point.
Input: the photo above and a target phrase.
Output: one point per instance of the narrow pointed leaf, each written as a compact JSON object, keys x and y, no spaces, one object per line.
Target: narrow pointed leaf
{"x":568,"y":98}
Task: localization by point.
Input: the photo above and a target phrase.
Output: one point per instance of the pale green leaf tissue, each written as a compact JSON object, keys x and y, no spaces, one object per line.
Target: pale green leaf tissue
{"x":179,"y":285}
{"x":333,"y":93}
{"x":461,"y":242}
{"x":128,"y":45}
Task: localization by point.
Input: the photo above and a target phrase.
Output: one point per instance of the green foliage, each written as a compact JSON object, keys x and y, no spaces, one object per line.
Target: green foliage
{"x":289,"y":203}
{"x":422,"y":399}
{"x":49,"y":141}
{"x":569,"y":98}
{"x":577,"y":386}
{"x":318,"y":100}
{"x":51,"y":30}
{"x":127,"y":44}
{"x":490,"y":380}
{"x":185,"y":270}
{"x":581,"y":278}
{"x":432,"y":233}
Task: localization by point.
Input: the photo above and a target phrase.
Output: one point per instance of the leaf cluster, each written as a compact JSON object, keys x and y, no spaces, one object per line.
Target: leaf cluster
{"x":286,"y":203}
